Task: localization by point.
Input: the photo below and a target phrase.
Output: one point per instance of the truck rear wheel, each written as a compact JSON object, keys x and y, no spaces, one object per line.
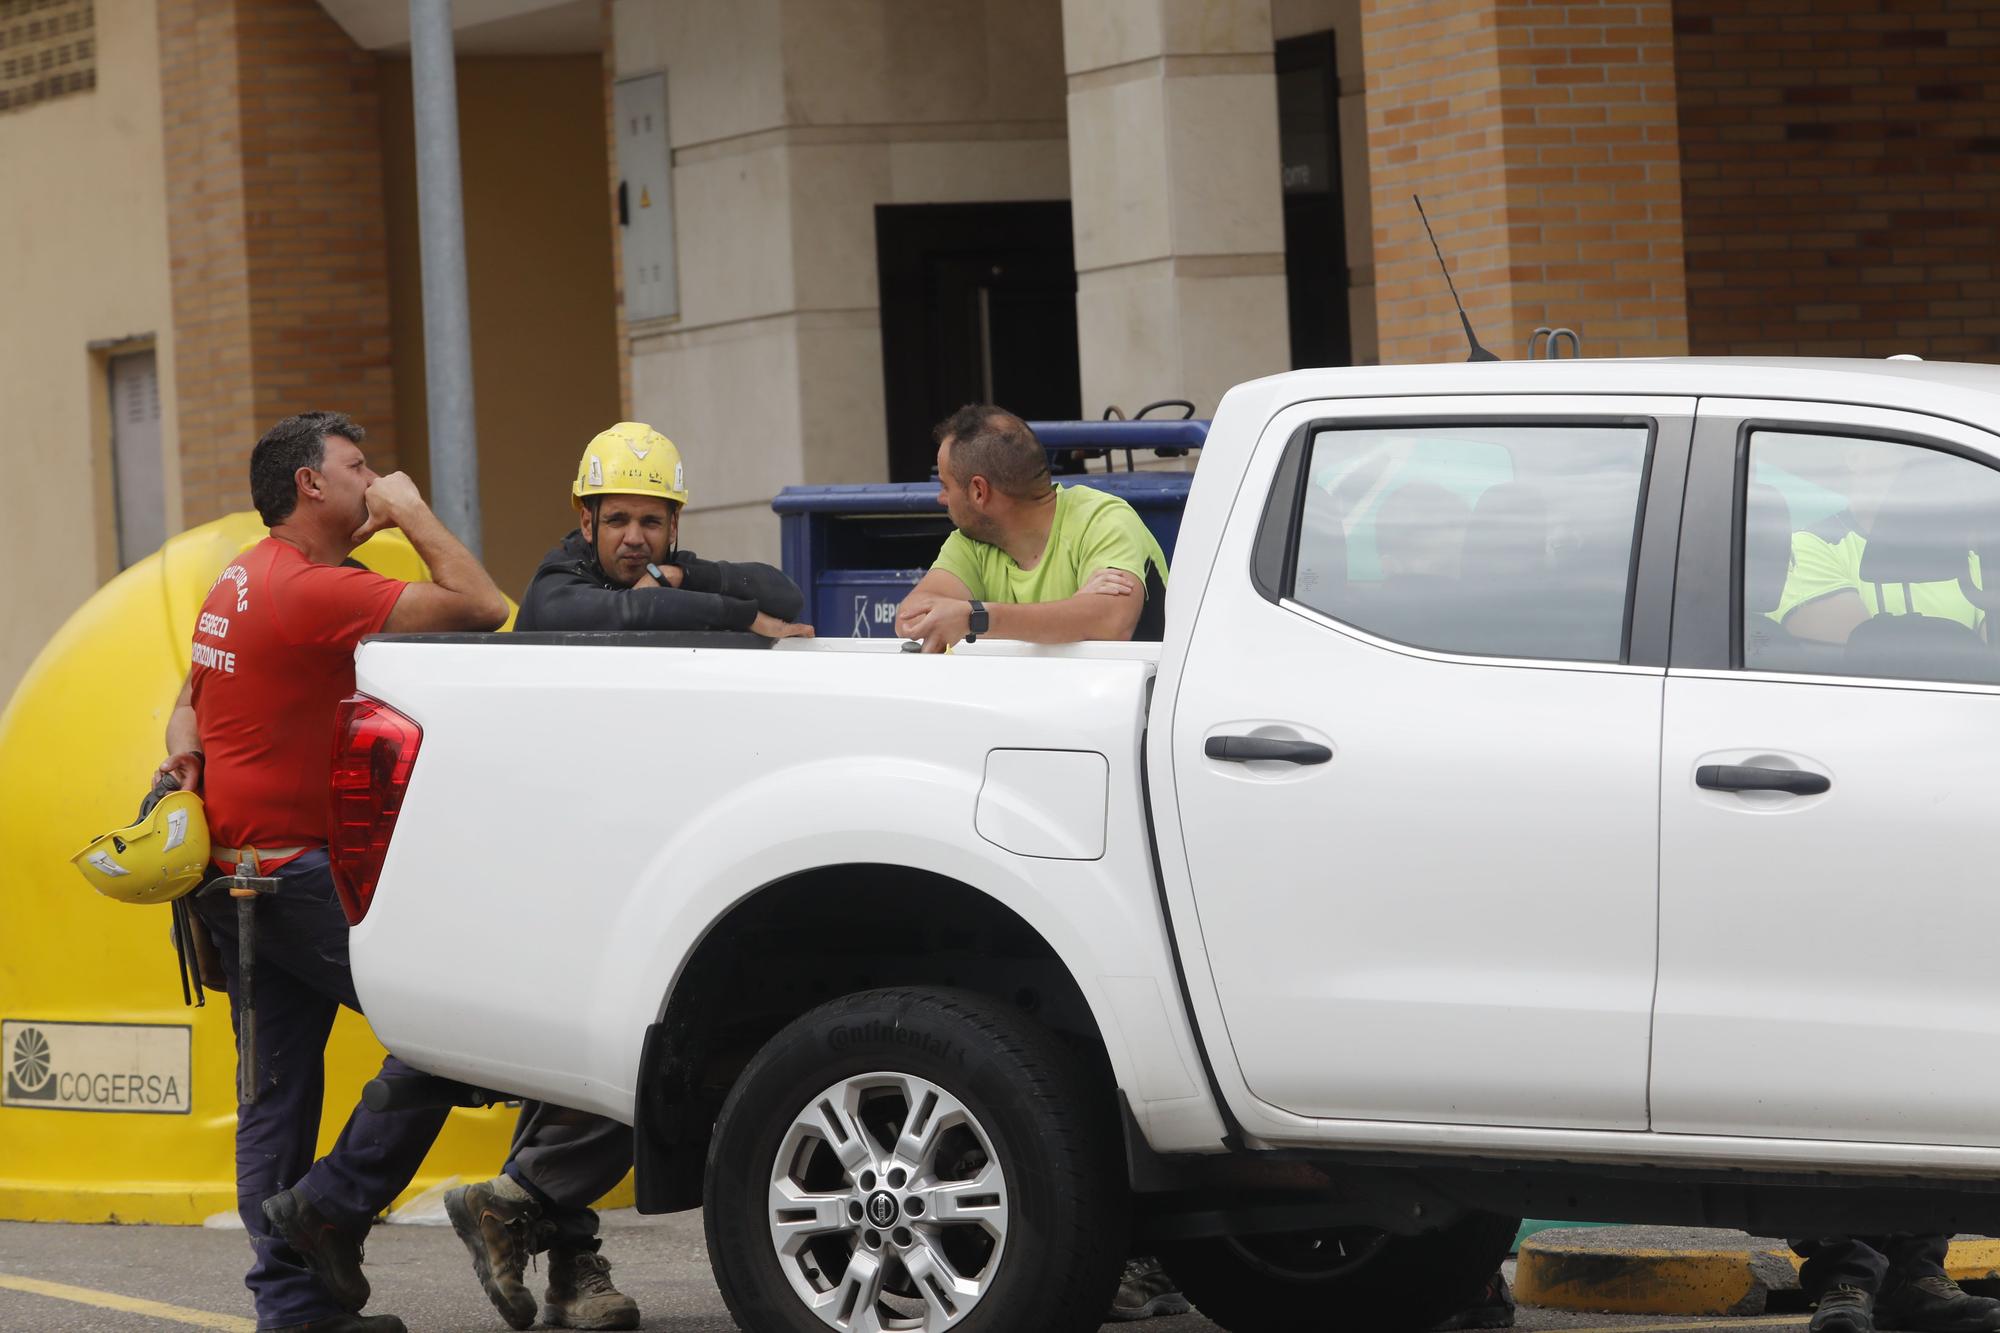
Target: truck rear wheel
{"x":911,"y":1160}
{"x":1348,"y":1278}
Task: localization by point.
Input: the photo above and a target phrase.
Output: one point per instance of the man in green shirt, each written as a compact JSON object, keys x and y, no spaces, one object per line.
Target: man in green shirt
{"x":1056,"y":564}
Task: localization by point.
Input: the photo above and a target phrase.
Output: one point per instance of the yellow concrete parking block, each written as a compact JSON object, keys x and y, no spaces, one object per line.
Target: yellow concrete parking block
{"x":109,"y":1300}
{"x":1682,"y":1270}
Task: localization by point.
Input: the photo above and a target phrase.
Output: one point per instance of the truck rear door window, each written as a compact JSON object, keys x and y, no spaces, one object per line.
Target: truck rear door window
{"x":1488,"y":540}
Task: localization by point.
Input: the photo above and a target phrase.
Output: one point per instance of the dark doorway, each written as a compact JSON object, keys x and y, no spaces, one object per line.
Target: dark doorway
{"x":978,"y":305}
{"x":1315,"y":225}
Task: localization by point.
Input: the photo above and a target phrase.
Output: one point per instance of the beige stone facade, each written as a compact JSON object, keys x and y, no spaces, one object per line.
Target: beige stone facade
{"x":230,"y":184}
{"x":84,"y":272}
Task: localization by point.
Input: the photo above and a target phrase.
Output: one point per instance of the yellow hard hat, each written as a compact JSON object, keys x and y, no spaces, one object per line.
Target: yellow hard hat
{"x":631,"y":458}
{"x":156,"y":860}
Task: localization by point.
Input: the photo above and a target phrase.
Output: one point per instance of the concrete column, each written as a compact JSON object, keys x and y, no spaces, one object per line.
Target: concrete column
{"x":1174,"y":176}
{"x":790,"y":122}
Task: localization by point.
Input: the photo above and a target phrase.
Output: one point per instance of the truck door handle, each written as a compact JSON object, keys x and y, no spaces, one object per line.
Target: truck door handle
{"x":1740,"y":777}
{"x":1243,"y":749}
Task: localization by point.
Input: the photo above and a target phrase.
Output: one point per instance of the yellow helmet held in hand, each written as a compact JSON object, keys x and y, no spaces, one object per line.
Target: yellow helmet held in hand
{"x":158,"y":859}
{"x":631,"y":458}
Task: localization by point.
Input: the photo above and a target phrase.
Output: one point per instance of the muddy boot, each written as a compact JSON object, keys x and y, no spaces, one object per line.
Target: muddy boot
{"x":497,"y":1220}
{"x":333,"y":1255}
{"x":580,"y":1293}
{"x":1146,"y":1292}
{"x":1935,"y":1304}
{"x":1845,"y":1310}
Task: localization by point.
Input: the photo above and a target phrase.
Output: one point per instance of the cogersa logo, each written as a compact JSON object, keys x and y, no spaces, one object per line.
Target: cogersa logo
{"x":29,"y":1076}
{"x":136,"y":1068}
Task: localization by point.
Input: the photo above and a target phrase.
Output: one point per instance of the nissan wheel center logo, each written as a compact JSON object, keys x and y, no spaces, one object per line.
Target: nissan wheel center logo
{"x":137,"y":1068}
{"x":882,"y":1209}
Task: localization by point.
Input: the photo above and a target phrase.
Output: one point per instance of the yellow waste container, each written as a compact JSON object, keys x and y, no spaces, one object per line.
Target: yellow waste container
{"x":117,"y":1104}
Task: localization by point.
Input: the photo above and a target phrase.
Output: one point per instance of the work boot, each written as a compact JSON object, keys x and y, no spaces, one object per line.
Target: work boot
{"x":580,"y":1293}
{"x":1844,"y":1310}
{"x":1493,"y":1309}
{"x":1146,"y":1292}
{"x":1935,"y":1304}
{"x":348,"y":1323}
{"x":333,"y":1256}
{"x":497,"y":1219}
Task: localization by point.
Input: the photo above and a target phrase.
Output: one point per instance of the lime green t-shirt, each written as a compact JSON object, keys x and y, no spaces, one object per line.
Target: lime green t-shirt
{"x":1092,"y":530}
{"x":1821,"y":565}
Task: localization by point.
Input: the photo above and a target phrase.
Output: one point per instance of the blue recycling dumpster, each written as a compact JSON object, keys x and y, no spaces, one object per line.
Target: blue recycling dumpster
{"x":858,"y":550}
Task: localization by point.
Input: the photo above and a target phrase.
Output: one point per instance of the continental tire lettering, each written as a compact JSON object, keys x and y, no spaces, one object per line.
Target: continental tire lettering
{"x":877,"y":1033}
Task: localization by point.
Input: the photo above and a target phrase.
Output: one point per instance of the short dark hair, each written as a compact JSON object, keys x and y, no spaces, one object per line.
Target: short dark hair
{"x":296,"y":442}
{"x":991,"y":442}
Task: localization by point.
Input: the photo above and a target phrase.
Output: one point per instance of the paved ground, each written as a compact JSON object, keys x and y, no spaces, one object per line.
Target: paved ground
{"x":422,"y":1274}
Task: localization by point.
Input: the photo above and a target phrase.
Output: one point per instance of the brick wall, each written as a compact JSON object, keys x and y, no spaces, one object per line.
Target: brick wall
{"x":1543,"y":139}
{"x":276,"y":233}
{"x":1842,"y":168}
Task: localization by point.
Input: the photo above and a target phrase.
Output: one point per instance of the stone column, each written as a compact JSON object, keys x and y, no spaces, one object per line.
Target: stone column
{"x":1174,"y":176}
{"x":790,"y":122}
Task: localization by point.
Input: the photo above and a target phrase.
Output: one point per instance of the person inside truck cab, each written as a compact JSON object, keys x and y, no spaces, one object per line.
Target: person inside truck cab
{"x":622,"y":568}
{"x":1030,"y":560}
{"x":1898,"y":505}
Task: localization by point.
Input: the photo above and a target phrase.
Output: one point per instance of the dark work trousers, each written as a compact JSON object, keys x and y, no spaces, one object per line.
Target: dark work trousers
{"x":1865,"y":1261}
{"x":568,"y":1160}
{"x":302,"y":981}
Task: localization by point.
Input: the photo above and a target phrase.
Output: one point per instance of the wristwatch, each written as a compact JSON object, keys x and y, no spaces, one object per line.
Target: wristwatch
{"x":658,"y":575}
{"x":979,"y":622}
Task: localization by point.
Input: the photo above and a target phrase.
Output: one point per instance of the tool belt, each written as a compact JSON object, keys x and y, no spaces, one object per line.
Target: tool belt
{"x":199,"y":956}
{"x":231,"y":859}
{"x":200,"y":960}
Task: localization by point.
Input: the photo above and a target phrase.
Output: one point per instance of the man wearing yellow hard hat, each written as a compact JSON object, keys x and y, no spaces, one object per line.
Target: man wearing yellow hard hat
{"x":621,"y":569}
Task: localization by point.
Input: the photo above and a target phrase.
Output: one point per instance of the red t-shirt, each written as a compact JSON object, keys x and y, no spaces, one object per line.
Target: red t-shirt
{"x":273,"y":655}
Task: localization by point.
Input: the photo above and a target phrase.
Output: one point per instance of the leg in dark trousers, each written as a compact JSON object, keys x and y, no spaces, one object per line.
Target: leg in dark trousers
{"x":568,"y":1160}
{"x":302,"y":981}
{"x":1866,"y":1262}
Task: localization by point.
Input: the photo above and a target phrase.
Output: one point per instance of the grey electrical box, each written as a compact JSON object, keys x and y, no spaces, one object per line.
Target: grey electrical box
{"x":645,"y":198}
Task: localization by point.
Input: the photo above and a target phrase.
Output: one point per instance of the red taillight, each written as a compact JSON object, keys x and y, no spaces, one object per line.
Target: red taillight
{"x":374,"y":749}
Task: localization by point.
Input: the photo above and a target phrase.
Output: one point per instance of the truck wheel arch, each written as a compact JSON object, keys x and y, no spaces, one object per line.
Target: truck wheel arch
{"x":808,"y":938}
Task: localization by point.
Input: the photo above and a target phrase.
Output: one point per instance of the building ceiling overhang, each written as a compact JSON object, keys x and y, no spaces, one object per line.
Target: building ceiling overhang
{"x":480,"y":27}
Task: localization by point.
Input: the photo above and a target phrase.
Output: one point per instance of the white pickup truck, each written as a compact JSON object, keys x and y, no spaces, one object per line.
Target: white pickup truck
{"x":1560,"y":793}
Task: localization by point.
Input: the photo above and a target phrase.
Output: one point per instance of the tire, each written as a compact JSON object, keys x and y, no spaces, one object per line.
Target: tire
{"x":807,"y":1150}
{"x":1370,"y":1281}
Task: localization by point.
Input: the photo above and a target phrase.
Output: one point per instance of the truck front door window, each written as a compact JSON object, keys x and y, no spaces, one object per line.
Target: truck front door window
{"x":1864,"y":558}
{"x":1489,"y":540}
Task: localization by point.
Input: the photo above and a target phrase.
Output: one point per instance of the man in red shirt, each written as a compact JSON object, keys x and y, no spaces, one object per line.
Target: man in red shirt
{"x":253,"y":732}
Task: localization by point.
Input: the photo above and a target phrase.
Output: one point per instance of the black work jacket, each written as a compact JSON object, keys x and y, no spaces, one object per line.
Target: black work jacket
{"x":570,"y":591}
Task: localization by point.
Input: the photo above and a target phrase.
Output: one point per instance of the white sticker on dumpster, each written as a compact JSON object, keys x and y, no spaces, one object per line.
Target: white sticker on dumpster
{"x":139,"y":1068}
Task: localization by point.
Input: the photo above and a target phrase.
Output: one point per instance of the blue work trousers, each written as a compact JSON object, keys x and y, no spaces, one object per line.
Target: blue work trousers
{"x":568,"y":1160}
{"x":1870,"y":1263}
{"x":300,"y":983}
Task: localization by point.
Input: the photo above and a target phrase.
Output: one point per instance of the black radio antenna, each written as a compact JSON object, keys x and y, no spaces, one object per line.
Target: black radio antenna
{"x":1478,"y":353}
